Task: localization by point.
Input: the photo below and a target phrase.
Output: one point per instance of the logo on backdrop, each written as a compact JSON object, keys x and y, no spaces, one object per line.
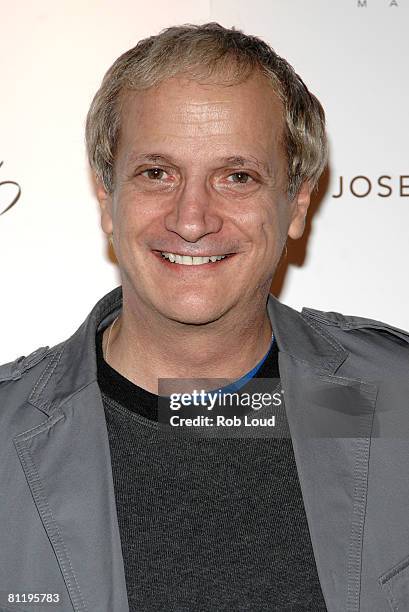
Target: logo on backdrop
{"x":10,"y":193}
{"x":383,"y":186}
{"x":367,"y":3}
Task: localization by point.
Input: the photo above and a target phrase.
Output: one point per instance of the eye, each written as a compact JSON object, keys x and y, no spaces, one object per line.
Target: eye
{"x":154,"y":173}
{"x":242,"y":177}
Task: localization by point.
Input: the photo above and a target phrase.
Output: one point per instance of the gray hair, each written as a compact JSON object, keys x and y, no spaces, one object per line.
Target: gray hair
{"x":200,"y":51}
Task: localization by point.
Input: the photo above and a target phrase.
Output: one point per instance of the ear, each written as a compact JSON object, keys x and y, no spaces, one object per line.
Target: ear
{"x":105,"y":204}
{"x":299,"y":207}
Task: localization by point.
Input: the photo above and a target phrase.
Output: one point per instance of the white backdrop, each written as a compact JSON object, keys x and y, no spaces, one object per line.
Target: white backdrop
{"x":352,"y":54}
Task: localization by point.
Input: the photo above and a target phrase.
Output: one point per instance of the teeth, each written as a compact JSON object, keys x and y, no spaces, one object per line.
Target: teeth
{"x":186,"y":260}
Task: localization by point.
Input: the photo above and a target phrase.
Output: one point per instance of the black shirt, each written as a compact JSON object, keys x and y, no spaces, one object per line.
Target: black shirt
{"x":206,"y":524}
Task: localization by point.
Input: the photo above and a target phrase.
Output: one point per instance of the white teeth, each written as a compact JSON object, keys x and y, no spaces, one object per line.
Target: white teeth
{"x":186,"y":260}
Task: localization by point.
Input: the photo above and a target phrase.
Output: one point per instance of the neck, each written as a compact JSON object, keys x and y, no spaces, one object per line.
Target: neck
{"x":145,"y":347}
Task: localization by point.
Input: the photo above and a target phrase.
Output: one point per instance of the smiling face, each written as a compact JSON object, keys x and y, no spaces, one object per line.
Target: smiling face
{"x":201,"y":170}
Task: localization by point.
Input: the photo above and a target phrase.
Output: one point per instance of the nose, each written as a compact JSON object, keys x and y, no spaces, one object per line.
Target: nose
{"x":194,"y":212}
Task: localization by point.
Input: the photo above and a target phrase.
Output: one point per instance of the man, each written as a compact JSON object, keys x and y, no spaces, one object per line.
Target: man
{"x":205,"y":146}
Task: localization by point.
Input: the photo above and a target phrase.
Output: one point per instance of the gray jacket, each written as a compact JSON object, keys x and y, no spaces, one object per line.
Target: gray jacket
{"x":346,"y":391}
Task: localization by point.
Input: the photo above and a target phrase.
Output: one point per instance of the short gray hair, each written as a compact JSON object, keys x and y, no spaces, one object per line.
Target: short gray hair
{"x":204,"y":50}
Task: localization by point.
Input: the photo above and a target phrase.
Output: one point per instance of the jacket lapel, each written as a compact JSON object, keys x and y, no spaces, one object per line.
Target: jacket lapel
{"x":330,"y":419}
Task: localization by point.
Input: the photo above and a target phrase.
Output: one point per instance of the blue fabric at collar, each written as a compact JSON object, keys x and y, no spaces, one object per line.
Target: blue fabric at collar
{"x":237,"y":384}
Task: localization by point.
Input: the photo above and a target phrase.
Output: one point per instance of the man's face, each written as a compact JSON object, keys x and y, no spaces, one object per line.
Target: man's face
{"x":201,"y":170}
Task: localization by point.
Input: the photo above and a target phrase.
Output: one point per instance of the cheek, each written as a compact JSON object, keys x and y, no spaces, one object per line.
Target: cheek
{"x":277,"y":219}
{"x":255,"y":215}
{"x":270,"y":227}
{"x":133,"y":214}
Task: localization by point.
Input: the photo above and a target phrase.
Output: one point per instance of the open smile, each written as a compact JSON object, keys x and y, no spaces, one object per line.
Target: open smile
{"x":184,"y":263}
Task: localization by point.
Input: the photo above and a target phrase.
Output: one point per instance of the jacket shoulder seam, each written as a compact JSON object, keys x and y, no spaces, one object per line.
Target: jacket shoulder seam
{"x":351,"y":322}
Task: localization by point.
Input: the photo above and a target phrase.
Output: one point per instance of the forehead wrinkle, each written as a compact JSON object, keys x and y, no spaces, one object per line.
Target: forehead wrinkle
{"x":205,"y":115}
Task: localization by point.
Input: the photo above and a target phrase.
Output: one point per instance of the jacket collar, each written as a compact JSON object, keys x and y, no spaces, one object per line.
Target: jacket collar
{"x":302,"y":340}
{"x":73,"y":365}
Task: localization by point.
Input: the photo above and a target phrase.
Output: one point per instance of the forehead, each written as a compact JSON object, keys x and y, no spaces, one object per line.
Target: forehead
{"x":204,"y":118}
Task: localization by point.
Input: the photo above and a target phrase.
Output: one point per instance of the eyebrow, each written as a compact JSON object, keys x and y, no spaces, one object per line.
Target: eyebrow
{"x":235,"y":160}
{"x":238,"y":160}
